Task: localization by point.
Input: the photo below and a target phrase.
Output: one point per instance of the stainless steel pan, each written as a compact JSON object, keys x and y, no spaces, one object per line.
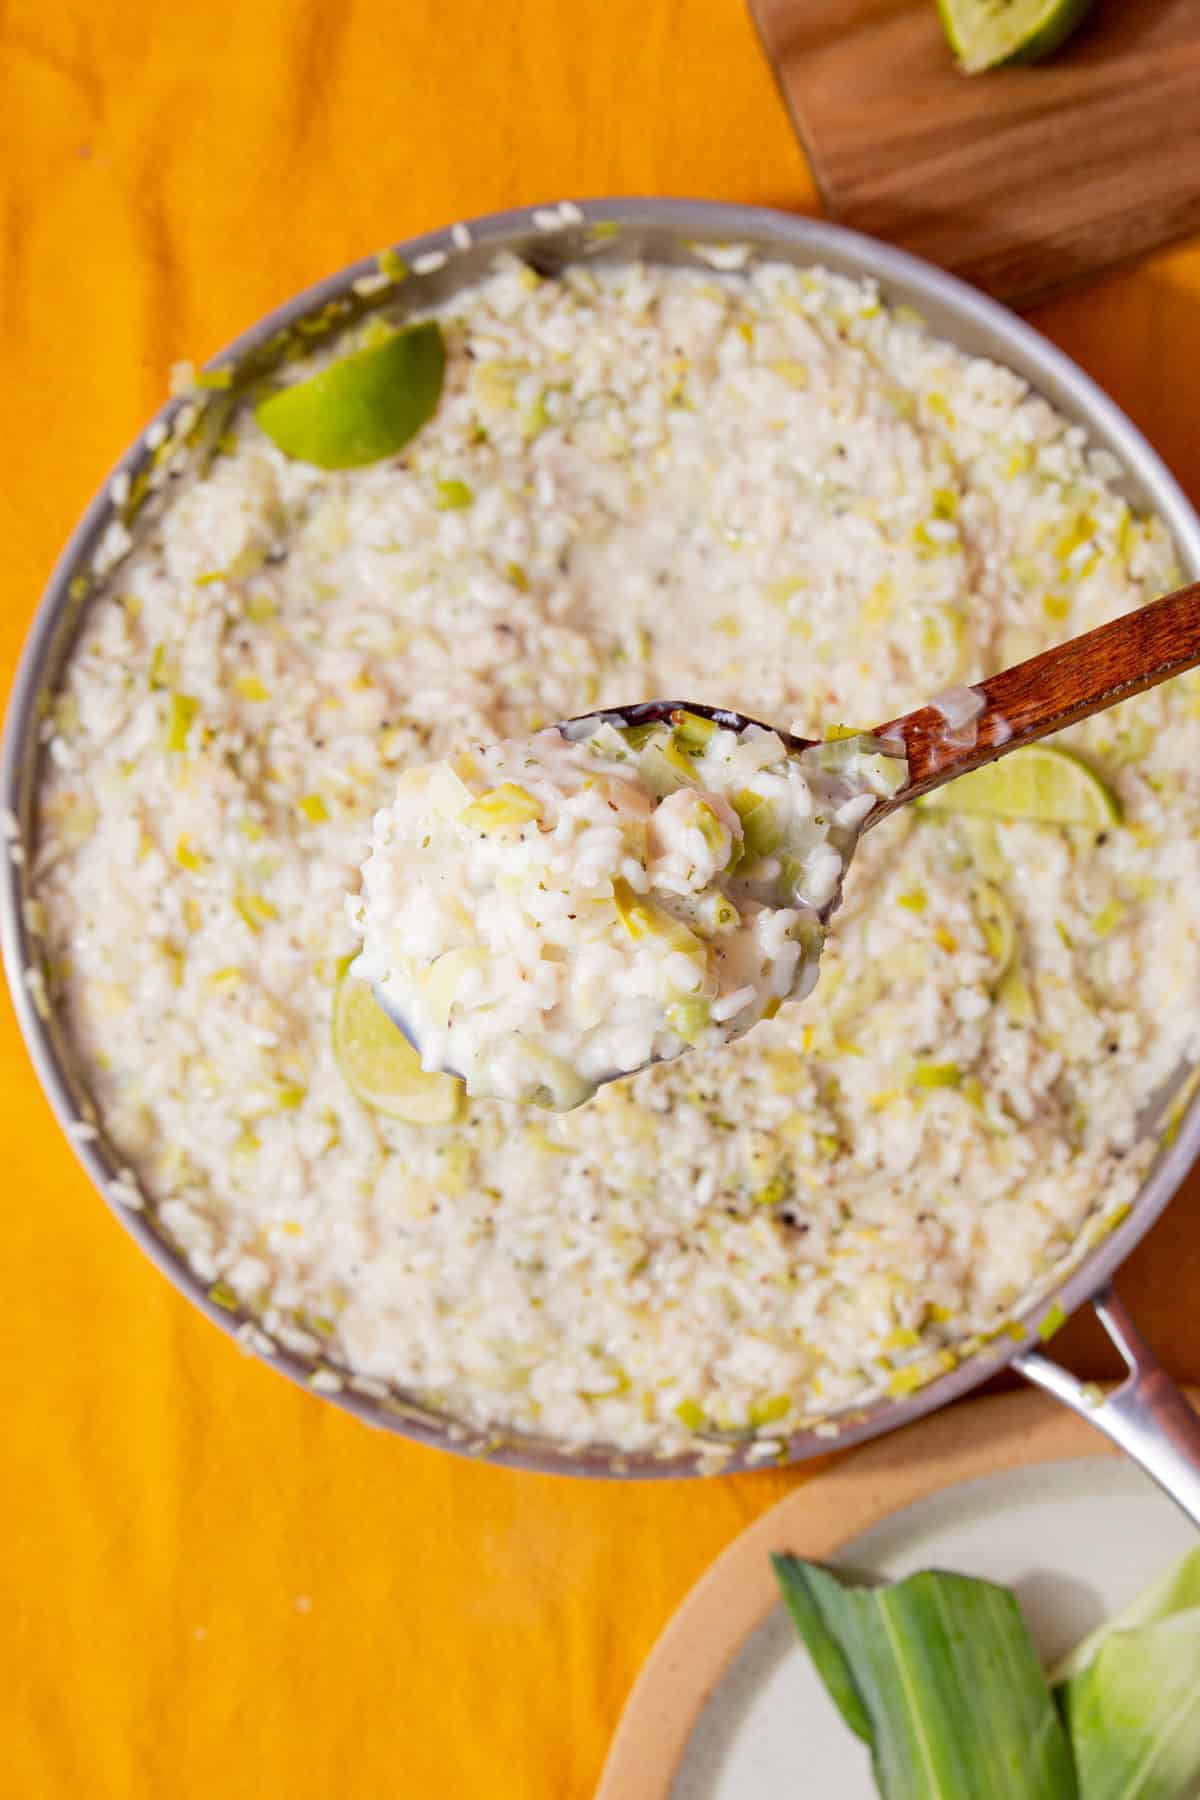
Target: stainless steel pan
{"x":1147,"y":1414}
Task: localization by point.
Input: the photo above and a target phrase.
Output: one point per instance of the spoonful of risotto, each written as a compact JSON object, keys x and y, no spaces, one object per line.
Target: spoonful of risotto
{"x":542,"y":915}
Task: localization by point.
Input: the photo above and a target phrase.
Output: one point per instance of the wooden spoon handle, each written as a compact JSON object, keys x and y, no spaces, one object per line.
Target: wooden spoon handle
{"x":1050,"y":691}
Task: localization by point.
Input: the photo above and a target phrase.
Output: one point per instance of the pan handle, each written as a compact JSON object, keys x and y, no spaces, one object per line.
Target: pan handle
{"x":1146,"y":1415}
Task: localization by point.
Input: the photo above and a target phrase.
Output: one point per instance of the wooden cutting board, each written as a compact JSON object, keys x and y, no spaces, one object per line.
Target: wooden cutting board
{"x":1022,"y":180}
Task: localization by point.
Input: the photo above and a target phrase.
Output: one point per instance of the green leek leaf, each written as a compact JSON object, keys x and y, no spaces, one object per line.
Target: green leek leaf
{"x":1130,"y":1693}
{"x":937,"y":1673}
{"x":822,"y":1643}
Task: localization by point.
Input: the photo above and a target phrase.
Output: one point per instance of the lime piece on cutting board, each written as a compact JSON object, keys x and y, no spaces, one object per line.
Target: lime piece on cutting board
{"x":363,"y":407}
{"x":1041,"y":782}
{"x":985,"y":33}
{"x":380,"y":1066}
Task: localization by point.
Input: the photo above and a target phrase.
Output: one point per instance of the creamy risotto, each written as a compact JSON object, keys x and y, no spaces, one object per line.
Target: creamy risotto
{"x":764,"y":490}
{"x":546,"y":914}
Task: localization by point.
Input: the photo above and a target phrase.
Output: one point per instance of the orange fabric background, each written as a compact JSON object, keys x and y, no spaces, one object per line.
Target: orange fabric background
{"x":213,"y":1583}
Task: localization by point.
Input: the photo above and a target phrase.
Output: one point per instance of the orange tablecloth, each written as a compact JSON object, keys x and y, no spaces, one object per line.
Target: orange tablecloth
{"x":212,"y":1582}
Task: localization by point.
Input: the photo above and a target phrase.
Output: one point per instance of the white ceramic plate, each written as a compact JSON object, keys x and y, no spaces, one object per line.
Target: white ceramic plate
{"x":728,"y":1706}
{"x":1076,"y":1540}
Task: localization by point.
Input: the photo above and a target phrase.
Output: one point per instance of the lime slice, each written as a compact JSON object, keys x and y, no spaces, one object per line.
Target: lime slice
{"x":363,"y":407}
{"x":380,"y":1065}
{"x":1041,"y":783}
{"x":983,"y":33}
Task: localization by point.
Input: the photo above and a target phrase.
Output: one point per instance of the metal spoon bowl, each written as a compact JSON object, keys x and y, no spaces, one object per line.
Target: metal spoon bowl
{"x":641,"y":712}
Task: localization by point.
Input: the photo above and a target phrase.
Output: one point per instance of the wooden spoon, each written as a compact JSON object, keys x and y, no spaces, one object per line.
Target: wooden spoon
{"x":966,"y":727}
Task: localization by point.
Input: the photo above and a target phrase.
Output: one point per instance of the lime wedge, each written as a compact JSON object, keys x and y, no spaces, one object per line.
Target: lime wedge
{"x":380,"y":1065}
{"x":363,"y":407}
{"x":1041,"y":783}
{"x":984,"y":33}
